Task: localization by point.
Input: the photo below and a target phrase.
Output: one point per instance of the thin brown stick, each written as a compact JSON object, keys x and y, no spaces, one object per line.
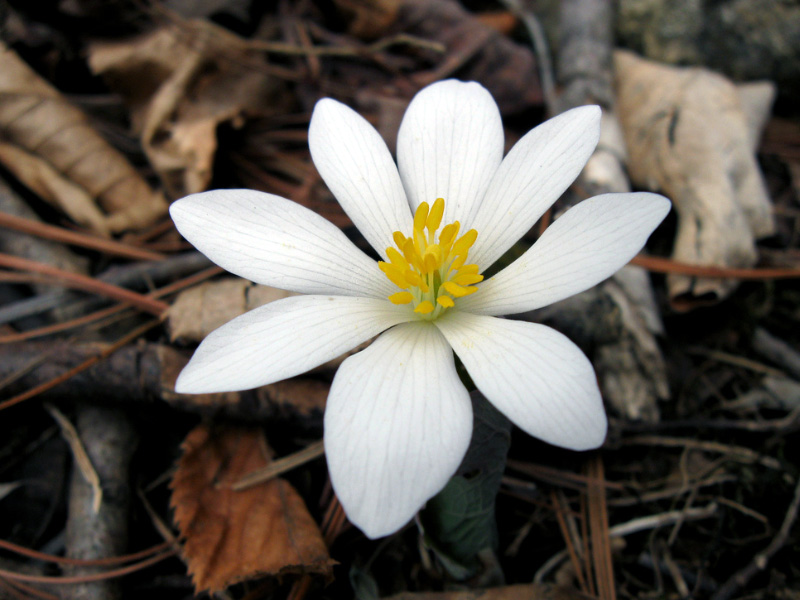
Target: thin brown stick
{"x":87,"y":578}
{"x":109,"y":311}
{"x":79,"y":562}
{"x":74,"y":238}
{"x":87,"y":284}
{"x":35,"y":391}
{"x":657,"y":264}
{"x":599,"y":530}
{"x":276,"y":467}
{"x":17,"y":588}
{"x":573,"y":555}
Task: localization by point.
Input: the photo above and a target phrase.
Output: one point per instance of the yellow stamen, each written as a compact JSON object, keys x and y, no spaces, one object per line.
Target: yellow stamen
{"x":468,"y":270}
{"x":435,"y":215}
{"x":445,"y":301}
{"x":467,"y":279}
{"x":393,"y":273}
{"x":399,"y":239}
{"x":401,"y":298}
{"x":420,"y":216}
{"x":465,"y":242}
{"x":397,"y":258}
{"x":425,"y":307}
{"x":457,"y":290}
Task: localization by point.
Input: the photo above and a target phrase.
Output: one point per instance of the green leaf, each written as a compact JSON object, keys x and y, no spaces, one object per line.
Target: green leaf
{"x":459,"y":523}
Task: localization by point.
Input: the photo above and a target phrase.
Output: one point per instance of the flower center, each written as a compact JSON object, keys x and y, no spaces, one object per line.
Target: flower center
{"x":430,"y":270}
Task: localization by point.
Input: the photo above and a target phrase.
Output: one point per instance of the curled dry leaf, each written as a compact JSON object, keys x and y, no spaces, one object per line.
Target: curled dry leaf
{"x":50,"y":146}
{"x":200,"y":310}
{"x":182,"y":82}
{"x":691,"y":133}
{"x":231,"y":536}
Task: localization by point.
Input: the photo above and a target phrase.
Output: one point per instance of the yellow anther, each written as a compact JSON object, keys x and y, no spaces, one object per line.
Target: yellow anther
{"x":464,"y":243}
{"x":432,"y":258}
{"x":430,"y":263}
{"x":449,"y":233}
{"x":424,"y":308}
{"x":399,"y":239}
{"x":458,"y":262}
{"x":445,"y":301}
{"x":467,"y":279}
{"x":397,"y":258}
{"x":401,"y":298}
{"x":435,"y":215}
{"x":457,"y":290}
{"x":413,"y":278}
{"x":410,"y":254}
{"x":468,"y":270}
{"x":420,"y":216}
{"x":394,"y":274}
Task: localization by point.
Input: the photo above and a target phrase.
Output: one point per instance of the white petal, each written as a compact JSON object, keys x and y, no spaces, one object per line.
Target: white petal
{"x":397,"y":424}
{"x":532,"y":374}
{"x":283,"y":339}
{"x":277,"y":242}
{"x":359,"y":170}
{"x":539,"y":168}
{"x":589,"y":243}
{"x":449,"y":145}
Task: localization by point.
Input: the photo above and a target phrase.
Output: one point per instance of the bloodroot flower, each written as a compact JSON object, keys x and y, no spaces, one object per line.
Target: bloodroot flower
{"x":399,"y":420}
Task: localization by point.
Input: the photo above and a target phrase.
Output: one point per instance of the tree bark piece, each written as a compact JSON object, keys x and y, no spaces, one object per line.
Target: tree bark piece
{"x":109,"y":440}
{"x":146,"y":373}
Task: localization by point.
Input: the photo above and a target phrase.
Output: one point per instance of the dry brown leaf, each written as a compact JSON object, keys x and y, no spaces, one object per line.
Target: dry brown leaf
{"x":182,"y":82}
{"x":692,"y":134}
{"x":49,"y":145}
{"x":200,"y":310}
{"x":232,"y":536}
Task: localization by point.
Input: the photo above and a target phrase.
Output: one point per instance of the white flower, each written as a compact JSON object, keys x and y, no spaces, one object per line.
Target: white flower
{"x":398,"y":419}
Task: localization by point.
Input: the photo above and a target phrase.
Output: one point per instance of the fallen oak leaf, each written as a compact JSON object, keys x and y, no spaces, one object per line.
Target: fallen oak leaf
{"x":234,"y":536}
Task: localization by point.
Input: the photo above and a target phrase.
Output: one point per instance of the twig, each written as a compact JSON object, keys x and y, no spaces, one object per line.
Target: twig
{"x":787,"y":422}
{"x":761,"y":560}
{"x":107,"y":312}
{"x":277,"y":467}
{"x":132,"y":275}
{"x":85,"y":466}
{"x":123,"y":341}
{"x":540,"y":47}
{"x":85,"y":283}
{"x":99,"y":530}
{"x":737,"y":452}
{"x":75,"y":238}
{"x":662,"y":519}
{"x":738,"y":361}
{"x":598,"y":526}
{"x":100,"y":562}
{"x":656,"y":264}
{"x":88,"y":578}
